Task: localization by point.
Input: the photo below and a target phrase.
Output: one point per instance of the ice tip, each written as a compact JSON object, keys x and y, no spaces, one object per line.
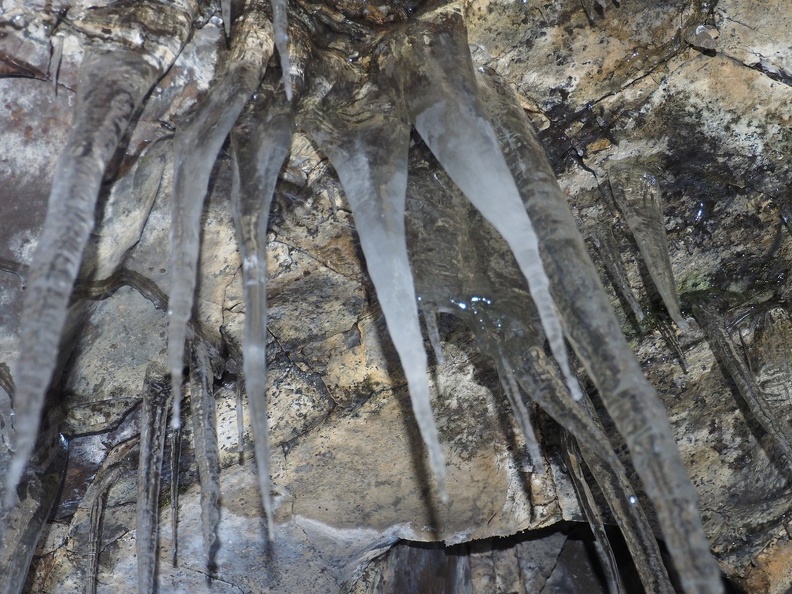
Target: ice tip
{"x":287,"y":87}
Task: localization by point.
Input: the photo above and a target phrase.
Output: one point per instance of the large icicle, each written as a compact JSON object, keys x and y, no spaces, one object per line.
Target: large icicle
{"x":260,"y":143}
{"x":442,"y":98}
{"x":196,"y":147}
{"x":112,"y":85}
{"x":594,"y":332}
{"x":207,"y":453}
{"x":153,"y":426}
{"x":637,"y":192}
{"x":362,"y":126}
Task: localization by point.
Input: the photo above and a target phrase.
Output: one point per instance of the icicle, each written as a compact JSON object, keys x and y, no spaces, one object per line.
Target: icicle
{"x":153,"y":424}
{"x":669,"y":335}
{"x":176,"y":436}
{"x":593,"y":515}
{"x":637,"y":192}
{"x":611,"y":258}
{"x":112,"y":85}
{"x":207,"y":454}
{"x":97,"y":499}
{"x":280,"y":26}
{"x":225,"y":13}
{"x":520,"y":411}
{"x":430,"y":317}
{"x":362,"y":126}
{"x":442,"y":99}
{"x":55,"y":61}
{"x":195,"y":151}
{"x":725,"y":352}
{"x":260,"y":143}
{"x":240,"y":419}
{"x":631,"y":401}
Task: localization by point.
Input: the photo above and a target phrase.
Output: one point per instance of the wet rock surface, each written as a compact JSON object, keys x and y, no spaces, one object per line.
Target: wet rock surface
{"x":697,"y":93}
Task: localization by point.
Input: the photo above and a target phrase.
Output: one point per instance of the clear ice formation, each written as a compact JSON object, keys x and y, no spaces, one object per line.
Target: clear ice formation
{"x":96,"y":498}
{"x":444,"y":234}
{"x":363,"y":127}
{"x":520,"y":411}
{"x":259,"y":145}
{"x":157,"y":395}
{"x":637,"y":193}
{"x":440,"y":90}
{"x":112,"y":86}
{"x":421,"y":75}
{"x":175,"y":459}
{"x":196,"y":146}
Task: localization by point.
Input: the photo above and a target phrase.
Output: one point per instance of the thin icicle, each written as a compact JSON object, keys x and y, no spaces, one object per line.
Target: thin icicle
{"x":175,"y":459}
{"x":637,"y":192}
{"x":260,"y":143}
{"x":207,"y":453}
{"x":430,"y":317}
{"x":520,"y":411}
{"x":611,"y":258}
{"x":195,"y":151}
{"x":240,"y":419}
{"x":97,"y":498}
{"x":55,"y":60}
{"x":443,"y":101}
{"x":280,"y":27}
{"x":725,"y":352}
{"x":362,"y":126}
{"x":153,"y":426}
{"x":112,"y":85}
{"x":593,"y":515}
{"x":631,"y":401}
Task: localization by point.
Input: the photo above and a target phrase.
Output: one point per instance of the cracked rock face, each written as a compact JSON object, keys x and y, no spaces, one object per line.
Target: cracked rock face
{"x":699,"y":95}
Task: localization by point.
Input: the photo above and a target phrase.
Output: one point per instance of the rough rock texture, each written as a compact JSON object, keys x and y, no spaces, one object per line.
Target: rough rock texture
{"x":702,"y":97}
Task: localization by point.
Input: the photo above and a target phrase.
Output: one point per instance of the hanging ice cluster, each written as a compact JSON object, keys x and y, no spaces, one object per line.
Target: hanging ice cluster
{"x":419,"y":75}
